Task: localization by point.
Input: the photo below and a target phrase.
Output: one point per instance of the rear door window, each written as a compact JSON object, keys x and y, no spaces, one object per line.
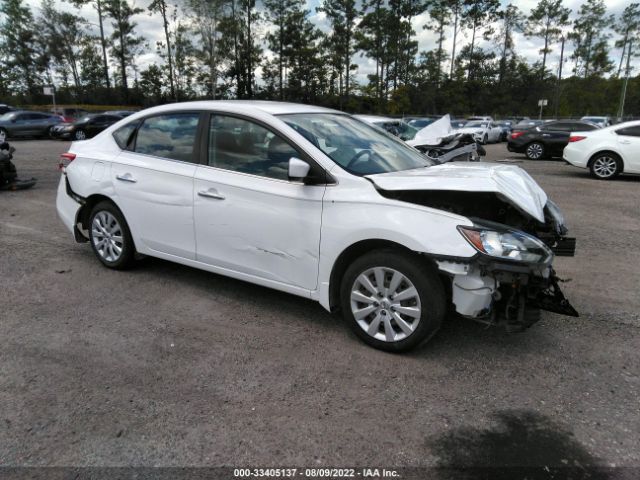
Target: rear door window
{"x":629,"y":131}
{"x":171,"y":136}
{"x":123,"y":135}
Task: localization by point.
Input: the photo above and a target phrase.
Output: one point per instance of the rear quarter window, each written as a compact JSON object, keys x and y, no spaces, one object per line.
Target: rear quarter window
{"x":123,"y":135}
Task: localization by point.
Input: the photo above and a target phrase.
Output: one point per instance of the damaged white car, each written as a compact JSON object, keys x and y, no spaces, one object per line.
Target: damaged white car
{"x":319,"y":204}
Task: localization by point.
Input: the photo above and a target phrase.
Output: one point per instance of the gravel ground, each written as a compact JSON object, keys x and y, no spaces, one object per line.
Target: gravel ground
{"x":165,"y":365}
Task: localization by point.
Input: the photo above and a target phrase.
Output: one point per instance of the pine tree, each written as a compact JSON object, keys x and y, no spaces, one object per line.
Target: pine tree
{"x":590,"y":37}
{"x":440,"y":16}
{"x":19,"y":45}
{"x":546,"y":21}
{"x":342,"y":16}
{"x":124,"y":42}
{"x":474,"y":17}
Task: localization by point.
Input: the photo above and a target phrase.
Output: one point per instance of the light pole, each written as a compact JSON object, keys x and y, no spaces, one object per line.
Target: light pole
{"x":623,"y":95}
{"x":557,"y":99}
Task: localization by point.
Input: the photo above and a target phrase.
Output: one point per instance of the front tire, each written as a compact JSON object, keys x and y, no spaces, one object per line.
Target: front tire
{"x":391,"y":300}
{"x":535,"y":151}
{"x":3,"y":135}
{"x":110,"y":237}
{"x":605,"y":166}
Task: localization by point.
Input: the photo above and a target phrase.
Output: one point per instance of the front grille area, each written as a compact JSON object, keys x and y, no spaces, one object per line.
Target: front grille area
{"x":564,"y":247}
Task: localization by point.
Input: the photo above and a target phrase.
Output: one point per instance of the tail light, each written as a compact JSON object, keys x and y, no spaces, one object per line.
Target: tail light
{"x":576,"y":138}
{"x":515,"y":135}
{"x":65,"y":160}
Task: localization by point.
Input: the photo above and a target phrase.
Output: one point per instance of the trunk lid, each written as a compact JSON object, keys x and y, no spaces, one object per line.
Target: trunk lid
{"x":514,"y":184}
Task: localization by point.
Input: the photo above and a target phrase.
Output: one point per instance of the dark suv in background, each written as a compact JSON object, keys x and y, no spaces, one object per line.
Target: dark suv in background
{"x":547,"y":139}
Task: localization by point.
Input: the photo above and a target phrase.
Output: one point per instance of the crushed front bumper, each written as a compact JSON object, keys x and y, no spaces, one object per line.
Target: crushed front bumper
{"x":505,"y":293}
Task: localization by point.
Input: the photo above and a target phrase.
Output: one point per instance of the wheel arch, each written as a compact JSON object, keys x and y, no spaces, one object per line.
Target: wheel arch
{"x":608,"y":151}
{"x":83,"y":216}
{"x":356,"y":250}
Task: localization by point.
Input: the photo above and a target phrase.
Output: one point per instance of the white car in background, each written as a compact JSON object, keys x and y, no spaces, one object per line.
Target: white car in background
{"x":606,"y":152}
{"x":600,"y":121}
{"x":317,"y":203}
{"x":484,"y":131}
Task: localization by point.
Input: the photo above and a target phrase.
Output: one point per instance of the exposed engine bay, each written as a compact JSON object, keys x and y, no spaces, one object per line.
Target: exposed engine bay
{"x":495,"y":291}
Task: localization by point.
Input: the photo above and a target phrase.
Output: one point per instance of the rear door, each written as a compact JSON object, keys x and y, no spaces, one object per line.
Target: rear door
{"x":153,"y":179}
{"x":629,"y":141}
{"x":555,"y":136}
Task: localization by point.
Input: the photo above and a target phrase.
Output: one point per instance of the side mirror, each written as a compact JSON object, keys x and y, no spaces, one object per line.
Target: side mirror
{"x":298,"y":169}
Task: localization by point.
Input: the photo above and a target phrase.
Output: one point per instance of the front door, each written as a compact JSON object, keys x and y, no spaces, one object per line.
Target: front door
{"x":154,"y":182}
{"x":249,"y":217}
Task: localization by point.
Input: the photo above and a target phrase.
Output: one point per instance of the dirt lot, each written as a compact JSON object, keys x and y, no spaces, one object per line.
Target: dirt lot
{"x":167,"y":365}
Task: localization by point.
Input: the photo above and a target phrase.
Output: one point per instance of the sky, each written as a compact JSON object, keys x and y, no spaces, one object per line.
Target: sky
{"x":151,"y":28}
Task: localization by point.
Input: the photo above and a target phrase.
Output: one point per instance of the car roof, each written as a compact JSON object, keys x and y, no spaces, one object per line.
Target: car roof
{"x":270,"y":107}
{"x":376,"y":118}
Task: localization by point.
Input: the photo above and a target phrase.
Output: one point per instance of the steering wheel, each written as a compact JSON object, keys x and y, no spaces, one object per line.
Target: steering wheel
{"x":356,"y":157}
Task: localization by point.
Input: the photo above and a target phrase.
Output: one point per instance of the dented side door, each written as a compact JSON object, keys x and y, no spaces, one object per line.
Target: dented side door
{"x":258,"y":226}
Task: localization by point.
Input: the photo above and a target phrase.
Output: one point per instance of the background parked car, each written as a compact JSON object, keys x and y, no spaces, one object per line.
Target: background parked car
{"x":483,"y":131}
{"x":547,"y":139}
{"x":606,"y":152}
{"x":69,"y":114}
{"x":120,"y":113}
{"x":525,"y":124}
{"x":86,"y":127}
{"x":4,"y":108}
{"x":505,"y":126}
{"x":600,"y":121}
{"x":392,"y":125}
{"x":23,"y":123}
{"x":420,"y":122}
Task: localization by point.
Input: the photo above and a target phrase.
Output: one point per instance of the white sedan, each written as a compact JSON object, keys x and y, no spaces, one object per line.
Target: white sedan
{"x":317,"y":203}
{"x":607,"y":152}
{"x":483,"y":131}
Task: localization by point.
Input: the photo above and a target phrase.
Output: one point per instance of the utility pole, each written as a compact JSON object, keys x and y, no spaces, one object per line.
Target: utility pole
{"x":557,"y":99}
{"x":626,"y":82}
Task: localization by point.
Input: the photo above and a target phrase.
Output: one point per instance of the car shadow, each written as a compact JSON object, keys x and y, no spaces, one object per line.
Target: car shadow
{"x":519,"y":444}
{"x":215,"y":287}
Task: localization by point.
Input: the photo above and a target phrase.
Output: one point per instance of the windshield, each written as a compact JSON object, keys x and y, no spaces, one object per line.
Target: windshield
{"x":356,"y":146}
{"x":593,"y":119}
{"x":7,"y":116}
{"x":476,"y":124}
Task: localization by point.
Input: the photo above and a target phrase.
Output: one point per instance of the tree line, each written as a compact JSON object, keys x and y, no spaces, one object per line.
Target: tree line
{"x":272,"y":49}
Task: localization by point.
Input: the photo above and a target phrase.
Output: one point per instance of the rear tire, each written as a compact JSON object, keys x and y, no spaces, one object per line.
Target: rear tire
{"x":535,"y":151}
{"x":3,"y":135}
{"x":110,"y":237}
{"x":405,"y":310}
{"x":605,"y":166}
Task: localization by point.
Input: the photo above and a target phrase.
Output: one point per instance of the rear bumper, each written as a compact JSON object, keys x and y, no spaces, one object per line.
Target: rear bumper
{"x":66,"y":206}
{"x":574,"y":157}
{"x":512,"y":147}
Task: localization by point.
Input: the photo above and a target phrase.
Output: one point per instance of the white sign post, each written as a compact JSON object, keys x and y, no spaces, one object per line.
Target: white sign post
{"x":52,"y":92}
{"x":542,"y":103}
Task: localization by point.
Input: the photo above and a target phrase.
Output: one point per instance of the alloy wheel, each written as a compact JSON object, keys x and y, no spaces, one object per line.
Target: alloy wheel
{"x":107,"y":236}
{"x":80,"y":135}
{"x":534,"y":151}
{"x":385,"y":304}
{"x":605,"y":166}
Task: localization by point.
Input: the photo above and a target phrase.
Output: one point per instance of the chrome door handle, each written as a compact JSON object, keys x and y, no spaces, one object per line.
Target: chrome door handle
{"x":126,"y":178}
{"x":211,"y":194}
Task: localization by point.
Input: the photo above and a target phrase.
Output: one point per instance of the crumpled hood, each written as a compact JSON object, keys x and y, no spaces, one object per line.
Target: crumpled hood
{"x":511,"y":182}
